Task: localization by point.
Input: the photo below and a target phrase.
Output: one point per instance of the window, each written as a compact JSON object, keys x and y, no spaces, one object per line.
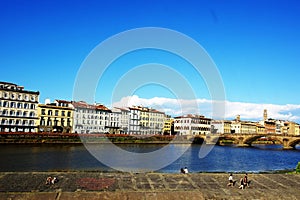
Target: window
{"x":25,"y":114}
{"x":49,"y":122}
{"x":49,"y":112}
{"x":5,"y":94}
{"x":19,"y":113}
{"x":25,"y":105}
{"x":26,"y":97}
{"x":69,"y":114}
{"x":56,"y":112}
{"x":69,"y":122}
{"x":12,"y":113}
{"x":32,"y":106}
{"x":42,"y":121}
{"x":55,"y":122}
{"x":32,"y":98}
{"x":11,"y":122}
{"x":12,"y":104}
{"x":62,"y":113}
{"x":13,"y":96}
{"x":31,"y":114}
{"x":19,"y":105}
{"x":19,"y":97}
{"x":5,"y":104}
{"x":43,"y":112}
{"x":3,"y":121}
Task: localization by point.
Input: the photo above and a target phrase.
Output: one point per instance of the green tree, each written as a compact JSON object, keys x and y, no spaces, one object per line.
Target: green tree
{"x":298,"y":168}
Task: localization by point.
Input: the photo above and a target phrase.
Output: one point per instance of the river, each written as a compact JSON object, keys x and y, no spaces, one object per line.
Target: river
{"x":60,"y":157}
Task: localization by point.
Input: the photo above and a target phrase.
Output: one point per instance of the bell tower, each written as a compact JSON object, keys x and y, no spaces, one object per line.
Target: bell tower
{"x":265,"y":115}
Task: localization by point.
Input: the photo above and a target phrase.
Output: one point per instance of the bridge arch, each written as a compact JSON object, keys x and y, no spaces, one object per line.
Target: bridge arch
{"x":250,"y":139}
{"x":293,"y":143}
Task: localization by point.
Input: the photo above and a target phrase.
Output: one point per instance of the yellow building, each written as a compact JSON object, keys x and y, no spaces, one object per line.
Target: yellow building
{"x":260,"y":129}
{"x":167,"y":130}
{"x":18,"y":108}
{"x":56,"y":117}
{"x":144,"y":120}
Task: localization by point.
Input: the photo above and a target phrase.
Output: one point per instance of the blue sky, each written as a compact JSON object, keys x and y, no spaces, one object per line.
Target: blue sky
{"x":255,"y":44}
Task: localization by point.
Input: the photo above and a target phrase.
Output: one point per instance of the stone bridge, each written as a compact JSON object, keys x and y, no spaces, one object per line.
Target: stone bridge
{"x":287,"y":141}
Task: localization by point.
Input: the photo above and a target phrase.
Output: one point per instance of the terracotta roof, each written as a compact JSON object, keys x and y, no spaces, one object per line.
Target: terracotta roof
{"x":62,"y":101}
{"x":82,"y":104}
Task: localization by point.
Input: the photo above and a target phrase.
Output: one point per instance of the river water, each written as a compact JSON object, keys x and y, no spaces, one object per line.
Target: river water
{"x":57,"y":157}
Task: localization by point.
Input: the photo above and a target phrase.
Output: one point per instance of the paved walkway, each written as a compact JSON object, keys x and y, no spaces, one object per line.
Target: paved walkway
{"x":93,"y":185}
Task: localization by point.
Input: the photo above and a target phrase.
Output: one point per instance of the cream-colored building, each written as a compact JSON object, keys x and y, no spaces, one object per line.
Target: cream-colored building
{"x":220,"y":126}
{"x":248,"y":128}
{"x":260,"y":129}
{"x":291,"y":128}
{"x":56,"y":117}
{"x":18,"y":108}
{"x":146,"y":121}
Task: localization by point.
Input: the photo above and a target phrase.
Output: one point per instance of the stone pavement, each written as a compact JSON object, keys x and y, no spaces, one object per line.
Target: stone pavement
{"x":102,"y":185}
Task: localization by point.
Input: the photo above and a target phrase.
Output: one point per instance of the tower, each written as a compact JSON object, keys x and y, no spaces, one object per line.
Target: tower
{"x":265,"y":115}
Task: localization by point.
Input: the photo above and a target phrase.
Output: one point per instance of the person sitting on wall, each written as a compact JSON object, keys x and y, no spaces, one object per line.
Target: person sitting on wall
{"x":231,"y":181}
{"x":186,"y":171}
{"x":48,"y":180}
{"x":182,"y":170}
{"x":242,"y":184}
{"x":245,"y":180}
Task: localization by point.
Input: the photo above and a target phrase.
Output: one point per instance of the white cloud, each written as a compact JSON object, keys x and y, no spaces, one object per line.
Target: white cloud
{"x":247,"y":111}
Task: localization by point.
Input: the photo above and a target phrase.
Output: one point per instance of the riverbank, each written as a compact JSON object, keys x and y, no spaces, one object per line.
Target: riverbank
{"x":72,"y":138}
{"x":107,"y":185}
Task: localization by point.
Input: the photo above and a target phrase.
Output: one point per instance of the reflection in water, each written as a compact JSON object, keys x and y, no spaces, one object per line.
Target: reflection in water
{"x":52,"y":157}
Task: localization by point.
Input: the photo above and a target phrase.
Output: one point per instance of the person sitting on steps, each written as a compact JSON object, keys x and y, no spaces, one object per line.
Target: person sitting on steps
{"x":231,"y":181}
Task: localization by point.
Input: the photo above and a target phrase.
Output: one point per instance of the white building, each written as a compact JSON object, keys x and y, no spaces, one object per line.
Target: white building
{"x":192,"y":125}
{"x":124,"y":119}
{"x":114,"y":124}
{"x":134,"y":120}
{"x":236,"y":126}
{"x":90,"y":118}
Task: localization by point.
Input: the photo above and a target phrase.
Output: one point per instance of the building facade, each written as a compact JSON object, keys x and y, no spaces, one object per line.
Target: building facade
{"x":220,"y":126}
{"x":134,"y":120}
{"x":91,"y":118}
{"x":192,"y":125}
{"x":18,"y":108}
{"x":114,"y":124}
{"x":168,"y":125}
{"x":56,"y":117}
{"x":124,"y":119}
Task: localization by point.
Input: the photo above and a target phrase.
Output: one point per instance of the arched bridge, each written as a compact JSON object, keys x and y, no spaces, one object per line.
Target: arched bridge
{"x":288,"y":141}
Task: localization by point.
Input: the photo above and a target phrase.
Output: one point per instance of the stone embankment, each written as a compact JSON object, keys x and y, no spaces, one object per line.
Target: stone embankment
{"x":98,"y":185}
